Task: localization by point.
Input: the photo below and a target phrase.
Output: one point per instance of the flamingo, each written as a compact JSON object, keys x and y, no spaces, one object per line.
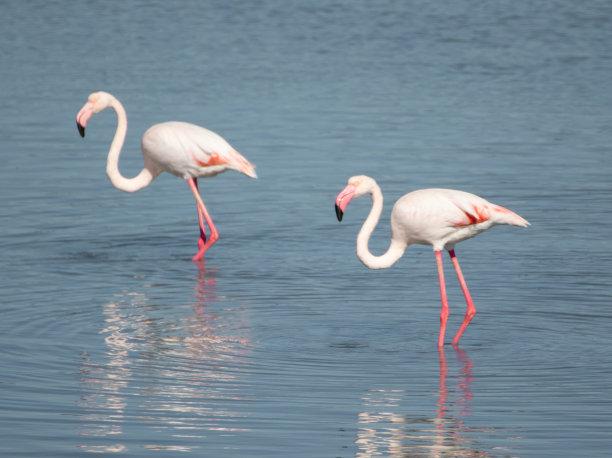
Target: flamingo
{"x":437,"y":217}
{"x":182,"y":149}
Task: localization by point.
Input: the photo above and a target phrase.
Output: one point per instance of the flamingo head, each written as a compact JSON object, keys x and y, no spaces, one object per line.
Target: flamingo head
{"x":96,"y":102}
{"x":357,"y":186}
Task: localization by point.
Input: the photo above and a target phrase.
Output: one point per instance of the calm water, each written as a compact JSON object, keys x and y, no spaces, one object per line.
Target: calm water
{"x":112,"y":341}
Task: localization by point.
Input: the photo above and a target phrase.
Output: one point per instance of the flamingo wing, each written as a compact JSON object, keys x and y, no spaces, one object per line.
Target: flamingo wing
{"x":471,"y":209}
{"x":196,"y":151}
{"x":474,"y":210}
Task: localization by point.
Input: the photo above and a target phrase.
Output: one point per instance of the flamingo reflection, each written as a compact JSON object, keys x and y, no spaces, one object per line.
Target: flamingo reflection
{"x":165,"y":370}
{"x":384,"y":431}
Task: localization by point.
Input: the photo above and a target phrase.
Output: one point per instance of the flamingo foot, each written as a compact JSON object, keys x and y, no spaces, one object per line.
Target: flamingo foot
{"x":199,"y":256}
{"x":204,"y":245}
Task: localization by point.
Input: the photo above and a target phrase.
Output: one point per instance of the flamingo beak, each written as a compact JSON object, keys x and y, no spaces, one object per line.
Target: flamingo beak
{"x":339,"y":213}
{"x":83,"y":116}
{"x":343,"y":200}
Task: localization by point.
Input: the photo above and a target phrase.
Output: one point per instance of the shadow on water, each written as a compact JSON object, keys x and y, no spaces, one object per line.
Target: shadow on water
{"x":175,"y":377}
{"x":383,"y":429}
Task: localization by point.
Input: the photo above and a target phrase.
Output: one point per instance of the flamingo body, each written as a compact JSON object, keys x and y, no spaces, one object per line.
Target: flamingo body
{"x":190,"y":151}
{"x":182,"y":149}
{"x":437,"y":217}
{"x":444,"y":217}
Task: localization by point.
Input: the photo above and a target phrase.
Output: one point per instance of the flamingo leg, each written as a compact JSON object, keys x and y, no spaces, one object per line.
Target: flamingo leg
{"x":471,"y":309}
{"x":202,"y":212}
{"x":202,"y":239}
{"x":444,"y":312}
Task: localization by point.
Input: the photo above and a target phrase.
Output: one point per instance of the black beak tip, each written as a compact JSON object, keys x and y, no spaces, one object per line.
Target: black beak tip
{"x":339,"y":213}
{"x":81,"y":130}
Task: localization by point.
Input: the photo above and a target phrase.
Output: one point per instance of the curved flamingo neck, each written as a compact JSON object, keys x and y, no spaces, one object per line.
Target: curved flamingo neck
{"x":396,"y":247}
{"x":144,"y":178}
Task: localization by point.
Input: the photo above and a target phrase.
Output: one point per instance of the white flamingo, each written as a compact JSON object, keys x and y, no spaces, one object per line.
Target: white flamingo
{"x":437,"y":217}
{"x":182,"y":149}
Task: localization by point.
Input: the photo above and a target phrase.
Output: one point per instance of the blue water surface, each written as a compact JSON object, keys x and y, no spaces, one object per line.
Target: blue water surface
{"x":113,"y":341}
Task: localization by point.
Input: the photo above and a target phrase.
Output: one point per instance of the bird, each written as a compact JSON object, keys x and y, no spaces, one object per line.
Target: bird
{"x":437,"y":217}
{"x":183,"y":149}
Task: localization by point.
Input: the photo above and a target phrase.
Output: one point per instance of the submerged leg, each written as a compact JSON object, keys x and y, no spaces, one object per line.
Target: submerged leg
{"x":444,"y":312}
{"x":202,"y":212}
{"x":471,"y":309}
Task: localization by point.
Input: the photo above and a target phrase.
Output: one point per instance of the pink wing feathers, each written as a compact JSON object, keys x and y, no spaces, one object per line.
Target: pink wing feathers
{"x":224,"y":157}
{"x":476,"y":210}
{"x":209,"y":150}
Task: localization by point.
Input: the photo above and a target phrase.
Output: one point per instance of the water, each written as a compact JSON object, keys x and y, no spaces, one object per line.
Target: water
{"x":114,"y":342}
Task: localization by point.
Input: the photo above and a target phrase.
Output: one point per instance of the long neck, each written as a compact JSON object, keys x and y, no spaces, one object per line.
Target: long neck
{"x":396,"y":248}
{"x":144,"y":178}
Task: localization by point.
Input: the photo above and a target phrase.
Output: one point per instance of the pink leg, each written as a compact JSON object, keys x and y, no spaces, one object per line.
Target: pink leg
{"x":214,"y":235}
{"x":444,"y":312}
{"x":202,"y":239}
{"x":471,"y":310}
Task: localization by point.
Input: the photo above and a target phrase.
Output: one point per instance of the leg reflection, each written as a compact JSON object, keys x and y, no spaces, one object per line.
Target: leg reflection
{"x":451,"y":426}
{"x":165,"y":375}
{"x":389,"y":427}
